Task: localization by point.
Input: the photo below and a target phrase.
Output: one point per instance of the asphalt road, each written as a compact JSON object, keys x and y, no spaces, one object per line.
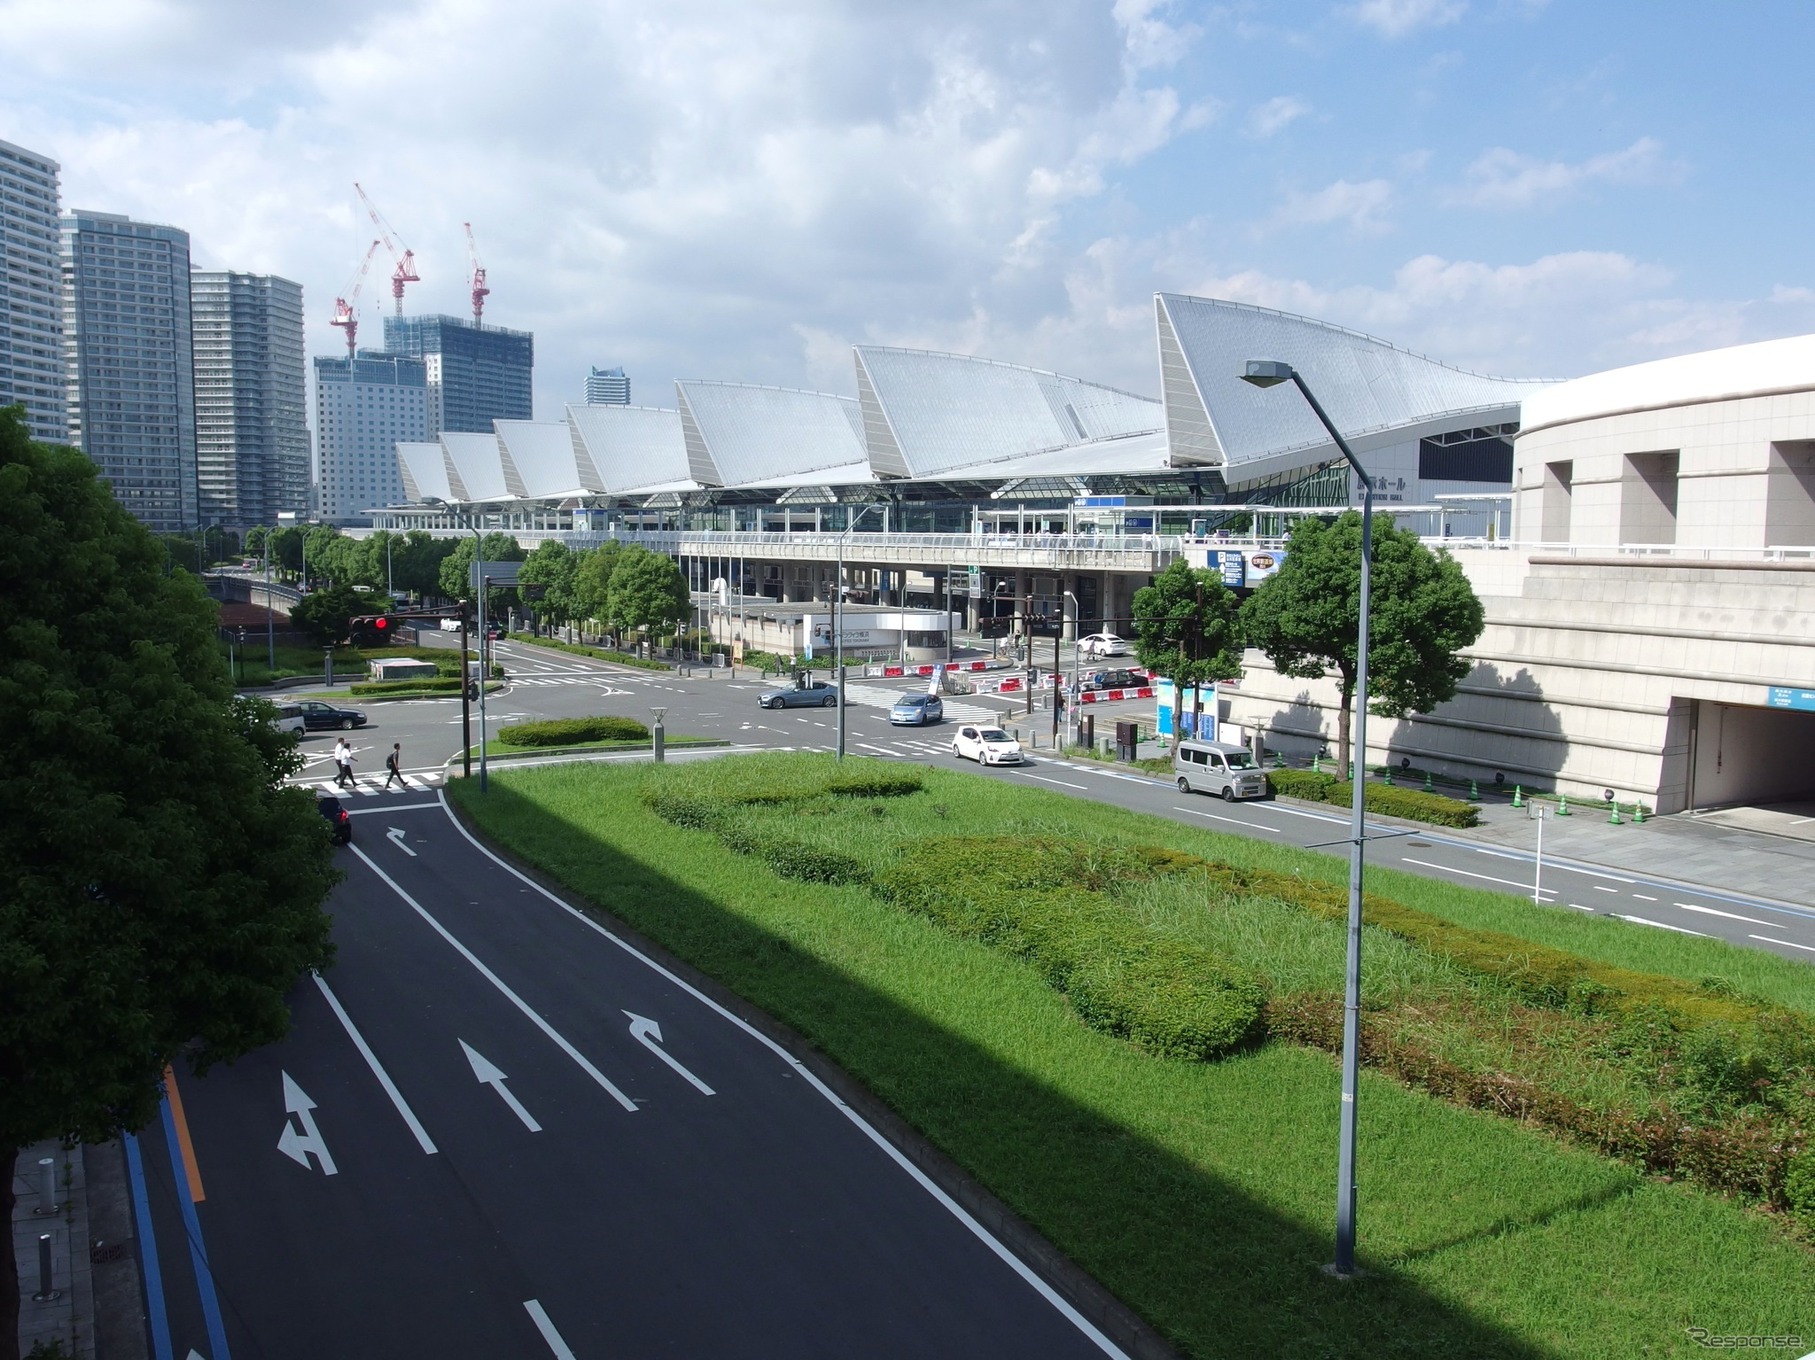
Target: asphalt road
{"x":496,"y":1130}
{"x":547,"y":683}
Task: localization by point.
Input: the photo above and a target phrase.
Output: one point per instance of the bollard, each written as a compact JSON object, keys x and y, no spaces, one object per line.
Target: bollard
{"x":1387,"y":773}
{"x":1613,"y":815}
{"x":1428,"y":786}
{"x":1317,"y":764}
{"x":1562,"y":805}
{"x":1638,"y":814}
{"x":1474,"y":792}
{"x":45,"y":1293}
{"x":47,"y":1186}
{"x":1518,"y":796}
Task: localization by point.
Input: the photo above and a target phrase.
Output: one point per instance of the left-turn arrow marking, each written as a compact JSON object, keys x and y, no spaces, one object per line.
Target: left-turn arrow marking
{"x":395,"y":834}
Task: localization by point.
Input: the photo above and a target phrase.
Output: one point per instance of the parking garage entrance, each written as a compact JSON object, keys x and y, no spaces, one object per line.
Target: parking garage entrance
{"x":1754,"y":766}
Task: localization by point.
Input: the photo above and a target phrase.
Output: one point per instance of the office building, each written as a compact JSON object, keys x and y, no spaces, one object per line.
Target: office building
{"x":364,"y":407}
{"x":31,"y":288}
{"x":474,"y":376}
{"x":251,"y":400}
{"x":128,"y":361}
{"x":607,"y":387}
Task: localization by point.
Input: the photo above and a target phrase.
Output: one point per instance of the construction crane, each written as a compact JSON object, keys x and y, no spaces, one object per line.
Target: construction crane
{"x":345,"y":306}
{"x":479,"y":288}
{"x":405,"y":272}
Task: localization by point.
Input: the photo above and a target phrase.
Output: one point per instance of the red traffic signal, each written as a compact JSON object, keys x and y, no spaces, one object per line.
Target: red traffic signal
{"x":382,"y":622}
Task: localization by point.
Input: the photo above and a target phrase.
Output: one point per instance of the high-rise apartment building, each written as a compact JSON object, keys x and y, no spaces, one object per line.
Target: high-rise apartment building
{"x":251,"y":398}
{"x":475,"y":376}
{"x":607,"y":387}
{"x":127,"y":351}
{"x":31,"y":293}
{"x":363,"y":407}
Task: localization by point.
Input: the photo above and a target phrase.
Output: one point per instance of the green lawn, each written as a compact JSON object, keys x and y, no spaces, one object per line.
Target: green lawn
{"x":1201,"y":1193}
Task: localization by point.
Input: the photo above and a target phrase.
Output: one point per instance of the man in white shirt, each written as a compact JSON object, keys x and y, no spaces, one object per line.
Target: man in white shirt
{"x":343,"y":758}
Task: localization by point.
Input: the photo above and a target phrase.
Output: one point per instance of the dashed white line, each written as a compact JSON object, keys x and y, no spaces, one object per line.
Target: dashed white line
{"x":539,"y":1315}
{"x":1641,"y":897}
{"x":1044,"y":780}
{"x":1712,"y":911}
{"x":1445,"y":869}
{"x":1600,"y":888}
{"x":1787,"y":944}
{"x":1237,"y":821}
{"x":1646,"y":921}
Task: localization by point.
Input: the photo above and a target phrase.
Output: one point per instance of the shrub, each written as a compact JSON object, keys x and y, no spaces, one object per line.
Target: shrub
{"x":1386,"y":799}
{"x":1173,"y":999}
{"x":567,"y":731}
{"x":881,"y":781}
{"x":373,"y":689}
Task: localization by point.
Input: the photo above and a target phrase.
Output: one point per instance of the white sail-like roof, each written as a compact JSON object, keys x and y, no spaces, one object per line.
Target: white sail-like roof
{"x":755,"y":435}
{"x":425,"y":472}
{"x":927,"y":414}
{"x":550,"y":461}
{"x":634,"y":447}
{"x":478,"y":466}
{"x":1367,"y":386}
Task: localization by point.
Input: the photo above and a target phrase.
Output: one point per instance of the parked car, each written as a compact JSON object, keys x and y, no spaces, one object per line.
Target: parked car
{"x":986,"y":746}
{"x":318,"y":716}
{"x":1217,"y":767}
{"x":813,"y":694}
{"x":289,"y":719}
{"x":340,"y":822}
{"x":916,"y":710}
{"x":1103,"y":644}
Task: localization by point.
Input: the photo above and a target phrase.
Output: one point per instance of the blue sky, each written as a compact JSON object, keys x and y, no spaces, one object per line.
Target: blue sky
{"x":706,"y":189}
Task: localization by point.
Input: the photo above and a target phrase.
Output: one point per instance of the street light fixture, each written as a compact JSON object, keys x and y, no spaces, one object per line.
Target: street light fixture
{"x":1270,"y":373}
{"x":838,"y":621}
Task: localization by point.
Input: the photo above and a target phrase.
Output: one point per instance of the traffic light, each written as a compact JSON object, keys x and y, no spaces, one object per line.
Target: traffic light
{"x":371,"y":628}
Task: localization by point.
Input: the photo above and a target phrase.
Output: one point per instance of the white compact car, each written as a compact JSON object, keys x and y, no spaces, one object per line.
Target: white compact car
{"x":1102,"y":644}
{"x":986,"y":745}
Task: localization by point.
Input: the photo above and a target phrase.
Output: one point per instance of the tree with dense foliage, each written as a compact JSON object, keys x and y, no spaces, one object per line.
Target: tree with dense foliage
{"x":163,"y":889}
{"x":287,"y":549}
{"x":592,"y":581}
{"x":322,"y":549}
{"x":646,"y":590}
{"x":322,"y":614}
{"x":1184,"y":630}
{"x":1423,"y":612}
{"x":553,"y":567}
{"x":456,"y":570}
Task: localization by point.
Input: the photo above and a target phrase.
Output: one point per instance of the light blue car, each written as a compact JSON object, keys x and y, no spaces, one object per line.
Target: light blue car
{"x":917,"y":710}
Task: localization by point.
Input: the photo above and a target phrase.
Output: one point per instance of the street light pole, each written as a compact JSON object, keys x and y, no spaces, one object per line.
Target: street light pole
{"x":838,"y":622}
{"x":270,"y":626}
{"x":1267,"y":373}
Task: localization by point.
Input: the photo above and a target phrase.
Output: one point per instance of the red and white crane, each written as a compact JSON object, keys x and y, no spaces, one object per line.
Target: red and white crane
{"x":405,"y":272}
{"x":479,"y":289}
{"x":347,"y":304}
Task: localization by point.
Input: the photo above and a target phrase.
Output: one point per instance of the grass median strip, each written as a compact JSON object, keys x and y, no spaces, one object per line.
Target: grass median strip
{"x":1198,"y":1190}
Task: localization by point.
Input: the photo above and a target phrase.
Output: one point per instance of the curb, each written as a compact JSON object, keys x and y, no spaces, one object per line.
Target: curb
{"x":1076,"y":1286}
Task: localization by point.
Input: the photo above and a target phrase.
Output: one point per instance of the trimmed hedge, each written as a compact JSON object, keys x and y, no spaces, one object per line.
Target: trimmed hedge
{"x":888,"y":781}
{"x":426,"y":685}
{"x":597,"y":653}
{"x":1387,"y":799}
{"x":570,"y":731}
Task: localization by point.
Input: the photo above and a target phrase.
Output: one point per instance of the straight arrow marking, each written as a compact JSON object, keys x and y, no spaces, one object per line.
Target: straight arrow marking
{"x":649,"y":1034}
{"x":489,"y":1075}
{"x":298,"y":1146}
{"x":395,"y":836}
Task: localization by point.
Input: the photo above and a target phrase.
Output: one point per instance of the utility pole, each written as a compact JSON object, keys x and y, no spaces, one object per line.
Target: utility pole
{"x":1027,"y":625}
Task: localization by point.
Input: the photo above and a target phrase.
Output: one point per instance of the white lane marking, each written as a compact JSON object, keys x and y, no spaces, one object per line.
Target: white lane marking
{"x":384,"y":1077}
{"x":1300,"y":812}
{"x":1788,"y":944}
{"x":539,"y":1315}
{"x":1646,"y":921}
{"x":1497,"y":854}
{"x":387,"y":811}
{"x":1044,"y":780}
{"x":1600,"y":888}
{"x":1579,"y":907}
{"x":490,"y":1074}
{"x":806,"y":1074}
{"x":1713,"y":911}
{"x":1445,"y":869}
{"x":1238,"y":821}
{"x":560,"y":1040}
{"x":1641,"y":897}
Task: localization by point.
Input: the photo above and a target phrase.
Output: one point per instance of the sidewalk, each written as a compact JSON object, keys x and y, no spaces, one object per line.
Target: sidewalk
{"x":66,"y":1316}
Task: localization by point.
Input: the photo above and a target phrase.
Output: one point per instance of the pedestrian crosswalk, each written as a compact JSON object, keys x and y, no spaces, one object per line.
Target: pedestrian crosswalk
{"x":419,"y":782}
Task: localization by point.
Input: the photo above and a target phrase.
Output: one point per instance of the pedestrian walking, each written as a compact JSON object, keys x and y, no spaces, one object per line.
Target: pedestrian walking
{"x":343,"y":757}
{"x":393,"y":766}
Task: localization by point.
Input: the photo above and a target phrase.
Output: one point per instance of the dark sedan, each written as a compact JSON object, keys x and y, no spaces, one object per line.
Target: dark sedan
{"x":318,"y":716}
{"x":814,"y":694}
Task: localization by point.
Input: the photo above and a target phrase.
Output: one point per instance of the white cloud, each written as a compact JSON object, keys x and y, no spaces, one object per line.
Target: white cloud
{"x":1501,"y":178}
{"x":1275,"y":115}
{"x":1362,"y":206}
{"x":1396,"y":18}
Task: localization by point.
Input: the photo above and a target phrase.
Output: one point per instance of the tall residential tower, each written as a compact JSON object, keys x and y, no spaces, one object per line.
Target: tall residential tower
{"x":127,"y":350}
{"x":474,"y":376}
{"x":31,"y":293}
{"x":364,"y":407}
{"x":607,"y":387}
{"x":251,"y":402}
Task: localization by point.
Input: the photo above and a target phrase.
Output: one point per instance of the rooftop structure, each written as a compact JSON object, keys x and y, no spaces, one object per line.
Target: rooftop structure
{"x":607,"y":387}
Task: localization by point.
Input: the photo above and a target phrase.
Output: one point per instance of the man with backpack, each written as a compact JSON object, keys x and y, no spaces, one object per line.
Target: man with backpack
{"x":393,"y":765}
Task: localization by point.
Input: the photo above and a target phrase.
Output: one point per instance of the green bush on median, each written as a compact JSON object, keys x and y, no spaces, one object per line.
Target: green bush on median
{"x":572,"y":731}
{"x":1387,"y":799}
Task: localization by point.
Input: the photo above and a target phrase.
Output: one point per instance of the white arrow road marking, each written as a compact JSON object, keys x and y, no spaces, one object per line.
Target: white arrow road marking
{"x":395,"y":834}
{"x":649,"y":1034}
{"x":489,"y":1075}
{"x":298,"y":1146}
{"x":539,"y":1316}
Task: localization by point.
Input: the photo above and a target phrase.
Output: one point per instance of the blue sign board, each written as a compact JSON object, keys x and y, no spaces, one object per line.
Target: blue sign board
{"x":1782,"y":696}
{"x":1233,"y":565}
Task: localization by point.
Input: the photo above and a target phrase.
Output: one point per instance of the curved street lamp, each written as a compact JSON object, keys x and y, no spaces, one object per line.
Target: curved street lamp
{"x":1270,"y":373}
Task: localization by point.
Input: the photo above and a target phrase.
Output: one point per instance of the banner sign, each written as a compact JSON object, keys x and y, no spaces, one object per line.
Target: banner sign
{"x":1782,"y":696}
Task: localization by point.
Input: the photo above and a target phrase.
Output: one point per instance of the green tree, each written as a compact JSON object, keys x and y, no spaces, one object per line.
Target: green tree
{"x":416,"y":560}
{"x":1423,"y":611}
{"x":163,"y":890}
{"x":322,"y":547}
{"x":323,"y":613}
{"x":646,"y":590}
{"x":456,"y":571}
{"x":554,"y":568}
{"x":287,"y":548}
{"x":592,"y":581}
{"x":1184,"y":630}
{"x":255,"y":540}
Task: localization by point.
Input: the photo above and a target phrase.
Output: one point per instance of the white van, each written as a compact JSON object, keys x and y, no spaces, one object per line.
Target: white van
{"x":1217,"y":767}
{"x":289,"y":719}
